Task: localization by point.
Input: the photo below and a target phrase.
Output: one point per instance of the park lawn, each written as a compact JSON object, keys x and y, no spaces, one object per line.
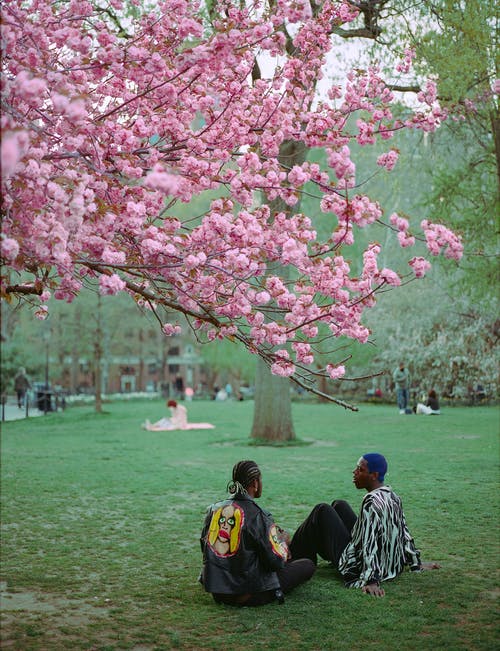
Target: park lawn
{"x":101,"y":522}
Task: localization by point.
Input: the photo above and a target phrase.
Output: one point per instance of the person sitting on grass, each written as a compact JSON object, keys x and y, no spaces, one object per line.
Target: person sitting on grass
{"x":246,"y":560}
{"x":177,"y":420}
{"x":368,"y":549}
{"x":431,"y":407}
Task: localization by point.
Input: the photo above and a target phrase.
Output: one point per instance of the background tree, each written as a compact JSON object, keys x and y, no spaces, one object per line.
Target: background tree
{"x":459,"y":46}
{"x":455,"y":176}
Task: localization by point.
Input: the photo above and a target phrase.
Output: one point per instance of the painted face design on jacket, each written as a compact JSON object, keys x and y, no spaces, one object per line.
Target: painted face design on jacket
{"x":280,"y":548}
{"x":225,"y":529}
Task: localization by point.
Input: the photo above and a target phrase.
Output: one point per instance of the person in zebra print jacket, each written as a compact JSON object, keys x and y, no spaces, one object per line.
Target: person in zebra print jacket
{"x":373,"y":547}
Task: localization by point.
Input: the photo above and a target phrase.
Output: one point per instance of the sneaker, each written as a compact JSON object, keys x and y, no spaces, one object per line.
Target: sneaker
{"x":401,"y":411}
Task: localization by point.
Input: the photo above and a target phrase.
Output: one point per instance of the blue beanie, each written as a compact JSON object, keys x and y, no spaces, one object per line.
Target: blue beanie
{"x":376,"y":463}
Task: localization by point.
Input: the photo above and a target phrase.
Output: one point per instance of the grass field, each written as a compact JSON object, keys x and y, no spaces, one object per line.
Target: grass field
{"x":101,"y":520}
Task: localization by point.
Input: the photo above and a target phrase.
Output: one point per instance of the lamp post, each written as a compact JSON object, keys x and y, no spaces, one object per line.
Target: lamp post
{"x":46,"y":395}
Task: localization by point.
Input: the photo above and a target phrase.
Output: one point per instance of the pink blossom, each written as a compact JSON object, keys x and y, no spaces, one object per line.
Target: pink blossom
{"x":113,"y":257}
{"x":261,"y":298}
{"x":110,"y":285}
{"x":160,"y":180}
{"x":44,"y":296}
{"x":400,"y":223}
{"x":282,"y":365}
{"x":405,"y":65}
{"x":303,"y":353}
{"x":10,"y":155}
{"x":341,"y":162}
{"x":388,"y":160}
{"x":439,"y":238}
{"x":42,"y":312}
{"x":171,"y":329}
{"x":335,"y":372}
{"x":429,"y":94}
{"x":390,"y":277}
{"x":366,"y":133}
{"x":30,"y":88}
{"x":405,"y":240}
{"x":9,"y":248}
{"x":297,"y":176}
{"x":295,"y":10}
{"x":420,"y":266}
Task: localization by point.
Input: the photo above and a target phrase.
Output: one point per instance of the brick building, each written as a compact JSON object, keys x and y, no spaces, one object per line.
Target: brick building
{"x":181,"y":367}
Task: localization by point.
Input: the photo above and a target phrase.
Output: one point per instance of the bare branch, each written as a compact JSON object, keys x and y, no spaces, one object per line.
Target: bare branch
{"x":23,"y":289}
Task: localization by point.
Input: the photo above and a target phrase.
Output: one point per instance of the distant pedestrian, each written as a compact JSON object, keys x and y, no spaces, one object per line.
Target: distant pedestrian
{"x":179,"y":386}
{"x":21,"y":385}
{"x":401,"y":377}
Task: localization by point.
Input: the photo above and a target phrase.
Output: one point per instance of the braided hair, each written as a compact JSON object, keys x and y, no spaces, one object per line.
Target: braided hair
{"x":244,"y":473}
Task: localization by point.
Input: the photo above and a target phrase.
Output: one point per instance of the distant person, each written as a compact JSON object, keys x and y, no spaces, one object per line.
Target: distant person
{"x":179,"y":385}
{"x":368,"y":549}
{"x":21,"y":385}
{"x":229,"y":390}
{"x":176,"y":421}
{"x":401,"y":377}
{"x":221,"y":395}
{"x":431,"y":406}
{"x":480,"y":393}
{"x":245,"y":555}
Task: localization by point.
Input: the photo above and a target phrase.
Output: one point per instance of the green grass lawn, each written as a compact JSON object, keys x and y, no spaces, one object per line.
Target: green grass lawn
{"x":101,"y":523}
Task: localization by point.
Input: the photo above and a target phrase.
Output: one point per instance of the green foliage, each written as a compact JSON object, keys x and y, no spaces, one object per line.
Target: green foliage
{"x":464,"y":192}
{"x":100,"y":527}
{"x":459,"y":44}
{"x":459,"y":47}
{"x":229,"y":359}
{"x":449,"y":343}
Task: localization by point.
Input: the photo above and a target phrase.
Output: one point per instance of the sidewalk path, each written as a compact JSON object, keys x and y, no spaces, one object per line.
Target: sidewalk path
{"x":12,"y":412}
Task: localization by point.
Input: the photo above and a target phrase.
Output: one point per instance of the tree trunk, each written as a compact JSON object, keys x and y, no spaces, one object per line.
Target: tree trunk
{"x":495,"y":128}
{"x":272,"y":417}
{"x":141,"y":383}
{"x":97,"y":358}
{"x":75,"y":352}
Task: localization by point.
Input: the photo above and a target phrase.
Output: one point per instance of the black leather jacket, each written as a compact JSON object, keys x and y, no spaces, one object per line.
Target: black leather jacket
{"x":240,"y":547}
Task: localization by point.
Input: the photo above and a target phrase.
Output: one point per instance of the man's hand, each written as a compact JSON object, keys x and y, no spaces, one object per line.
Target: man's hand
{"x":374,"y":590}
{"x":430,"y":565}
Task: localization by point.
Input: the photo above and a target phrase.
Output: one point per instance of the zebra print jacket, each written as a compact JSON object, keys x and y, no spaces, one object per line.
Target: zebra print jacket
{"x":381,"y":544}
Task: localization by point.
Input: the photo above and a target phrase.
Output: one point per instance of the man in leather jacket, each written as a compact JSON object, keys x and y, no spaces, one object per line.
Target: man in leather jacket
{"x":246,"y":559}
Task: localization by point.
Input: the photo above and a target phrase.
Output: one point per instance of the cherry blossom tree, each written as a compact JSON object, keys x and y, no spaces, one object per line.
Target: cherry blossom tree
{"x":104,"y":135}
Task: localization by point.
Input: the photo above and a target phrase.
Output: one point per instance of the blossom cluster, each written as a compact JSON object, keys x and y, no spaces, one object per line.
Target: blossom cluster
{"x":104,"y":137}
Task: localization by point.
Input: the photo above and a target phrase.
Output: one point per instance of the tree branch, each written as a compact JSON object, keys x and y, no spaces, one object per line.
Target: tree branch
{"x":23,"y":289}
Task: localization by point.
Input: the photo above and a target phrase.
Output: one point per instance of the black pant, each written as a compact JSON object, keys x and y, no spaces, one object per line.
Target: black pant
{"x":325,"y":532}
{"x":293,"y":574}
